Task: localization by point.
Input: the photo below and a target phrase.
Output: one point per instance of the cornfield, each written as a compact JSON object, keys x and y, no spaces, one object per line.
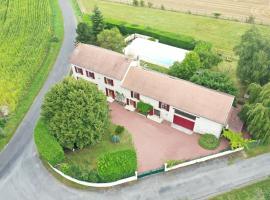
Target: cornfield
{"x":25,"y":33}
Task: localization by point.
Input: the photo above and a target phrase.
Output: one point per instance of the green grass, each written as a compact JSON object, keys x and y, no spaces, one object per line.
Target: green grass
{"x":258,"y":150}
{"x":256,"y":191}
{"x":87,"y":157}
{"x":29,"y":26}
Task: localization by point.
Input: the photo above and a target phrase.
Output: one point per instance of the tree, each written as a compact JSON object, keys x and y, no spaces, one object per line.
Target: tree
{"x":97,"y":21}
{"x":187,"y":68}
{"x":256,"y":112}
{"x":84,"y":34}
{"x":76,"y":113}
{"x":208,"y":57}
{"x":214,"y":80}
{"x":111,"y":39}
{"x":254,"y":58}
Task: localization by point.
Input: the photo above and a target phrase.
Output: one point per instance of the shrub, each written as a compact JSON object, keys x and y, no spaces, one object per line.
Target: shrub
{"x":115,"y":139}
{"x":177,"y":40}
{"x":135,"y":2}
{"x":171,"y":163}
{"x":142,"y":4}
{"x":236,"y":139}
{"x":209,"y":141}
{"x":49,"y":149}
{"x":119,"y":129}
{"x":144,"y":108}
{"x":117,"y":165}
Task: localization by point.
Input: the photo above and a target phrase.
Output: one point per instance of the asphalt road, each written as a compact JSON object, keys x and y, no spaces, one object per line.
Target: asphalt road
{"x":23,"y":177}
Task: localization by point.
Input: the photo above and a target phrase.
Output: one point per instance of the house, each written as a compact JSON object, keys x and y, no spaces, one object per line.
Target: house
{"x":187,"y":106}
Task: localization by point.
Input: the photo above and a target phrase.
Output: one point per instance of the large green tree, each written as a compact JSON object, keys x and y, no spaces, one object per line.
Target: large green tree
{"x":209,"y":58}
{"x":254,"y":58}
{"x":84,"y":34}
{"x":256,"y":112}
{"x":187,"y":68}
{"x":111,"y":39}
{"x":97,"y":21}
{"x":76,"y":112}
{"x":214,"y":80}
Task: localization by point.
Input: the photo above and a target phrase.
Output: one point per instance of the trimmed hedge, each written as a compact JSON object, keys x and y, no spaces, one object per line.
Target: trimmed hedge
{"x":117,"y":165}
{"x":177,"y":40}
{"x":144,"y":108}
{"x":209,"y":141}
{"x":49,"y":149}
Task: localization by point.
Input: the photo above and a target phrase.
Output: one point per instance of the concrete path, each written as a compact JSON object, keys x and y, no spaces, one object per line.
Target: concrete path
{"x":23,"y":177}
{"x":157,"y":143}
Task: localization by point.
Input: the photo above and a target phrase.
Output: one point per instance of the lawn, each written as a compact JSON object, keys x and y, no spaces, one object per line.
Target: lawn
{"x":256,"y":191}
{"x":87,"y":157}
{"x":30,"y":39}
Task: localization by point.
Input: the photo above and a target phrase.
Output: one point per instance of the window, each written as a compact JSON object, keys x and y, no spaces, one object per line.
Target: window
{"x":135,"y":95}
{"x":108,"y":81}
{"x":78,"y":70}
{"x":187,"y":115}
{"x":164,"y":106}
{"x":90,"y":74}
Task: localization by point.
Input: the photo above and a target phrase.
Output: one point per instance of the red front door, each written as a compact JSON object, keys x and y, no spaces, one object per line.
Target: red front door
{"x":183,"y":122}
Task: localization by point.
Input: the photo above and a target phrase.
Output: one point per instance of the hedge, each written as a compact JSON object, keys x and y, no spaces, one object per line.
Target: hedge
{"x":177,"y":40}
{"x":209,"y":141}
{"x":117,"y":165}
{"x":144,"y":108}
{"x":49,"y":149}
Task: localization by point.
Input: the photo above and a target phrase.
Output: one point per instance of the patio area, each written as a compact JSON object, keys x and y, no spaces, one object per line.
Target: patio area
{"x":157,"y":143}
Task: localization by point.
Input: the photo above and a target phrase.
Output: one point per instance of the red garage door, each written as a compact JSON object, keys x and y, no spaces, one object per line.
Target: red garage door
{"x":183,"y":122}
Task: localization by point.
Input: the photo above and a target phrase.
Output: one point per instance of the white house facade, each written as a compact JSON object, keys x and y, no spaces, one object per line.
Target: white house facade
{"x":189,"y":107}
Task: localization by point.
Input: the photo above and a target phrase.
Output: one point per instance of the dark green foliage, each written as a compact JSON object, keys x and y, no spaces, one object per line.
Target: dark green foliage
{"x":97,"y":21}
{"x":214,"y":80}
{"x":208,"y":57}
{"x":236,"y":139}
{"x":80,"y":174}
{"x":142,"y":4}
{"x":49,"y":149}
{"x":76,"y":112}
{"x":135,"y":2}
{"x":209,"y":141}
{"x":84,"y":34}
{"x":176,"y":40}
{"x":111,"y":39}
{"x":117,"y":165}
{"x":115,"y":139}
{"x":144,"y":108}
{"x":254,"y":58}
{"x":187,"y":68}
{"x":119,"y":129}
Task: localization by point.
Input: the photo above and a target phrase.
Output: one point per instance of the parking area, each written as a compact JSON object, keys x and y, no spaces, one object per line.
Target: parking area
{"x":156,"y":143}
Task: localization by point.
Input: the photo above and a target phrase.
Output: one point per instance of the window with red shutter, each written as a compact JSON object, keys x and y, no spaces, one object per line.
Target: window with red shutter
{"x":131,"y":94}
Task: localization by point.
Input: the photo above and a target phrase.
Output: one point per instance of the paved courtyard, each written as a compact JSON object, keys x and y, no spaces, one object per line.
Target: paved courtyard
{"x":156,"y":143}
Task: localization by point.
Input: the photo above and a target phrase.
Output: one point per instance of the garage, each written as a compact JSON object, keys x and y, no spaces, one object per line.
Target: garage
{"x":180,"y":121}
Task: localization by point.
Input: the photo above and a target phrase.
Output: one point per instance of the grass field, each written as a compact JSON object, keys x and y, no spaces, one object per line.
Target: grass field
{"x":87,"y":157}
{"x":256,"y":191}
{"x":240,"y":9}
{"x":31,"y":34}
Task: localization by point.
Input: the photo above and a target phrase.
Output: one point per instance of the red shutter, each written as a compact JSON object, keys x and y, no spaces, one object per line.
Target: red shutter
{"x":107,"y":92}
{"x":168,"y":107}
{"x":159,"y":105}
{"x":93,"y":74}
{"x":151,"y":112}
{"x":131,"y":94}
{"x":112,"y":82}
{"x":127,"y":101}
{"x":76,"y":70}
{"x":138,"y":96}
{"x":105,"y":80}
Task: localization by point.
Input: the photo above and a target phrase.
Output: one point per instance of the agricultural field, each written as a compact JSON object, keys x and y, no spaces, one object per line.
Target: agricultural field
{"x":256,"y":191}
{"x":237,"y":10}
{"x":31,"y":33}
{"x":223,"y":34}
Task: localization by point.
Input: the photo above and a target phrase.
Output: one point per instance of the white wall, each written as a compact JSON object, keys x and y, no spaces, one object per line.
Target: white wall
{"x":203,"y":126}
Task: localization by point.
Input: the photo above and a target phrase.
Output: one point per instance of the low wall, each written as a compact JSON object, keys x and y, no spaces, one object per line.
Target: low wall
{"x":202,"y":159}
{"x":97,"y":185}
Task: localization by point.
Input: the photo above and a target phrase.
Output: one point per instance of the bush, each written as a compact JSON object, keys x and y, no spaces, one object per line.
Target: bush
{"x":236,"y":139}
{"x":177,"y":40}
{"x":119,"y":129}
{"x":49,"y":149}
{"x":209,"y":141}
{"x":117,"y":165}
{"x":171,"y":163}
{"x":144,"y":108}
{"x":115,"y":139}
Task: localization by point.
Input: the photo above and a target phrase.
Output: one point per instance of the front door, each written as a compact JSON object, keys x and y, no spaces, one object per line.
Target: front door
{"x":180,"y":121}
{"x":157,"y":112}
{"x":110,"y":93}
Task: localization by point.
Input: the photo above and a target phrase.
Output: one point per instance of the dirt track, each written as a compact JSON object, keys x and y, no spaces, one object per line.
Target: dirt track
{"x":230,"y":9}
